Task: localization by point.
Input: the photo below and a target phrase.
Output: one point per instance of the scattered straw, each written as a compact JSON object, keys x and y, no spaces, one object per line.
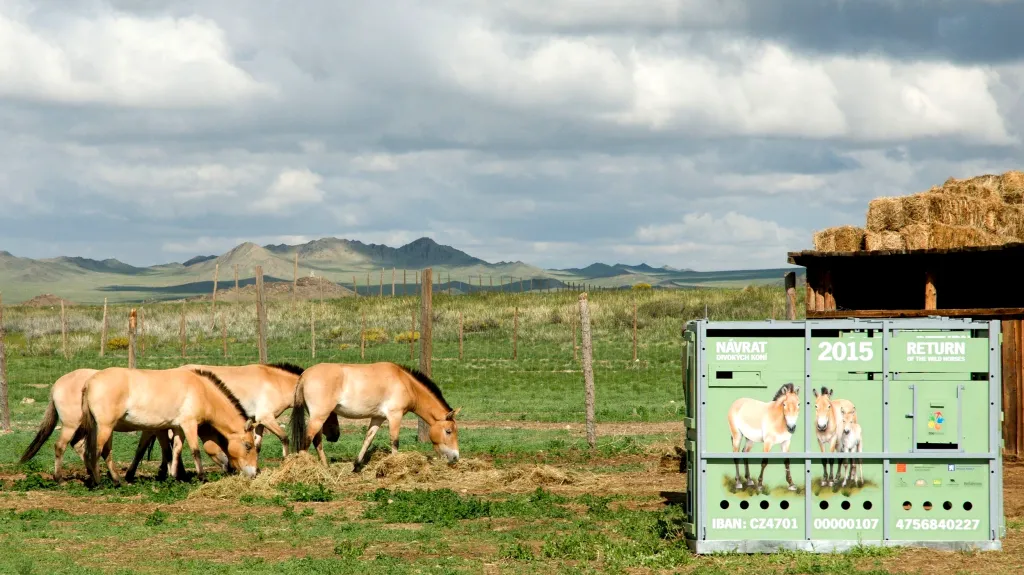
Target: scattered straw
{"x":877,"y":241}
{"x":986,"y":187}
{"x":839,"y":239}
{"x":391,"y":470}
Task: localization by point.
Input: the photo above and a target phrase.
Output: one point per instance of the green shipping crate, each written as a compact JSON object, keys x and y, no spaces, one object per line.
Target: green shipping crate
{"x":824,"y":435}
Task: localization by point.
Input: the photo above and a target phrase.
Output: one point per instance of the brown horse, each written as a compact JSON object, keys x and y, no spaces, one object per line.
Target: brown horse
{"x":65,"y":405}
{"x":121,"y":399}
{"x":265,"y":391}
{"x":764,"y":422}
{"x":826,"y":427}
{"x":382,"y":391}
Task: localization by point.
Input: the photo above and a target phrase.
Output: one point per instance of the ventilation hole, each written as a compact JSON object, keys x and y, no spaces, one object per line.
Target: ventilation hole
{"x":845,"y":505}
{"x":947,"y":506}
{"x":907,"y":505}
{"x":927,"y":506}
{"x":784,"y":504}
{"x":823,"y":505}
{"x":744,"y":504}
{"x":764,"y":504}
{"x":968,"y":506}
{"x":724,"y":504}
{"x":867,"y":505}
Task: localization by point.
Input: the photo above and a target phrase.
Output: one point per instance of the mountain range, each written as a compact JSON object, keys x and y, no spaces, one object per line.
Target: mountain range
{"x":347,"y":262}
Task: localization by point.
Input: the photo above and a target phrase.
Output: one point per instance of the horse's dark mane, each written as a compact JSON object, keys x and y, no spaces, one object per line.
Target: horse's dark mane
{"x":427,"y":383}
{"x":289,"y":367}
{"x":223,"y":389}
{"x":786,"y":388}
{"x":824,"y":390}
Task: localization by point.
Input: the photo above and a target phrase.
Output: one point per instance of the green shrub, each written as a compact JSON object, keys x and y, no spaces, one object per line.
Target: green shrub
{"x":117,"y":343}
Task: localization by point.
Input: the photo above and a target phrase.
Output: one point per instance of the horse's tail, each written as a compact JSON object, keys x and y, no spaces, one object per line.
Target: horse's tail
{"x":298,"y":418}
{"x":46,"y":427}
{"x":91,"y":429}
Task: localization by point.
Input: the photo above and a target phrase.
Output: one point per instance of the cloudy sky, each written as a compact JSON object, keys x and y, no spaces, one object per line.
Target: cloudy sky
{"x":692,"y":133}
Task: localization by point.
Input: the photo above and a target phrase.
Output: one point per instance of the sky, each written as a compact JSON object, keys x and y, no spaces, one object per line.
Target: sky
{"x":700,"y":134}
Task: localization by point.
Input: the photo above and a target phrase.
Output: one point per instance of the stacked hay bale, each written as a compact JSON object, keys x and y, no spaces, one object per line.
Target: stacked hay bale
{"x":981,"y":211}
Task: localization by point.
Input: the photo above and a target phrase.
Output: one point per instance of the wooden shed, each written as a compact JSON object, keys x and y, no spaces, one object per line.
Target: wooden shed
{"x":920,"y":283}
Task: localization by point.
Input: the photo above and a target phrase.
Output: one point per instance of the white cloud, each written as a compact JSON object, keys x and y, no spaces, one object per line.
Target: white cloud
{"x":704,"y":228}
{"x":739,"y":86}
{"x":292,"y":187}
{"x":375,"y":163}
{"x":205,"y":245}
{"x":122,"y":59}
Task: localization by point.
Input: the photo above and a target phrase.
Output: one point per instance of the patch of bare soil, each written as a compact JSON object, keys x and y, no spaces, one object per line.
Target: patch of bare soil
{"x":46,"y":300}
{"x":308,"y":288}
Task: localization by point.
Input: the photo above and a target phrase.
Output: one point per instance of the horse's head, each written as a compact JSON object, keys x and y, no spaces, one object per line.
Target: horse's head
{"x":822,"y":407}
{"x":789,"y":397}
{"x":445,"y":436}
{"x":241,"y":449}
{"x":849,"y":418}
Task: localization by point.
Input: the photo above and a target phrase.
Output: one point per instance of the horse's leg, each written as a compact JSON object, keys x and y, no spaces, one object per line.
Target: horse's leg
{"x":833,"y":472}
{"x":192,"y":437}
{"x":257,"y":437}
{"x":176,"y":447}
{"x":163,"y":437}
{"x":66,"y":435}
{"x":108,"y":455}
{"x":371,"y":431}
{"x":746,"y":462}
{"x":789,"y":474}
{"x":145,"y":438}
{"x":824,"y":463}
{"x":764,"y":462}
{"x":395,"y":427}
{"x":318,"y":442}
{"x":270,"y":422}
{"x":736,"y":440}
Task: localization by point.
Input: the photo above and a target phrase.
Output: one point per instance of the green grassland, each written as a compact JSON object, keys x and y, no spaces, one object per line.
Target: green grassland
{"x":611,"y":509}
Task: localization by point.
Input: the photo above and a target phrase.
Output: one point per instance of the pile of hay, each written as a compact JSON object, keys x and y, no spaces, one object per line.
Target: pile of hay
{"x":985,"y":210}
{"x":385,"y":469}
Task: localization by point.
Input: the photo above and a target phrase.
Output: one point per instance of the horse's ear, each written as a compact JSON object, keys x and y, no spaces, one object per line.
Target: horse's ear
{"x":250,"y":423}
{"x":796,"y":390}
{"x":832,"y":392}
{"x":451,"y":414}
{"x":815,"y":392}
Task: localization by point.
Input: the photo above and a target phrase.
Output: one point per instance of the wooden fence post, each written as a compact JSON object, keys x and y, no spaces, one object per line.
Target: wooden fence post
{"x":213,"y":304}
{"x":63,"y":330}
{"x":142,"y":331}
{"x":132,"y":322}
{"x":182,"y":334}
{"x":103,"y":330}
{"x":790,"y":280}
{"x":426,"y":334}
{"x":224,"y":333}
{"x":5,"y":409}
{"x":460,"y":335}
{"x":412,"y":342}
{"x":634,"y":331}
{"x":588,"y":369}
{"x":312,"y":330}
{"x":295,"y":279}
{"x":355,"y":286}
{"x":515,"y":332}
{"x":261,"y":317}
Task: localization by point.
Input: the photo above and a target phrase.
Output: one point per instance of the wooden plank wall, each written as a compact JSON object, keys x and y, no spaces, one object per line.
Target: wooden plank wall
{"x":1013,"y":387}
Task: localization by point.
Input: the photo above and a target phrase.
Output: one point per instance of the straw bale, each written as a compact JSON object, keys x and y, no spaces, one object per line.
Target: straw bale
{"x":839,"y":239}
{"x":951,"y":210}
{"x":1012,"y":187}
{"x":876,"y":241}
{"x":986,"y":187}
{"x":885,"y":214}
{"x":942,"y":236}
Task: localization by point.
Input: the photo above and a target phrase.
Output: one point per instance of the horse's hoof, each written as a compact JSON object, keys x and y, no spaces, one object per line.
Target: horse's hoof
{"x":739,"y":486}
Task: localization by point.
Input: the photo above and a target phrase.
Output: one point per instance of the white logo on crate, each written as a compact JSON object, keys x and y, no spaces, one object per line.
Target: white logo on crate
{"x":733,"y":350}
{"x":846,"y":351}
{"x":936,"y":351}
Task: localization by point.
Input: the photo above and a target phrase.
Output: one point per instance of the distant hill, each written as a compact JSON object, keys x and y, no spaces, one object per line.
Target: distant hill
{"x":348,"y":263}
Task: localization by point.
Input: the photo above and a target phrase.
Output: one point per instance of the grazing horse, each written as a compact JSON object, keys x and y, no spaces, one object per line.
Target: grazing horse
{"x":382,"y":391}
{"x":265,"y":391}
{"x":65,"y":405}
{"x":826,"y":428}
{"x":851,"y":442}
{"x":764,"y":422}
{"x":121,"y":399}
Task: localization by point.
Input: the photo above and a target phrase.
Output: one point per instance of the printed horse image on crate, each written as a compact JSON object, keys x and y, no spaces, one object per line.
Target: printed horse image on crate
{"x":769,"y":423}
